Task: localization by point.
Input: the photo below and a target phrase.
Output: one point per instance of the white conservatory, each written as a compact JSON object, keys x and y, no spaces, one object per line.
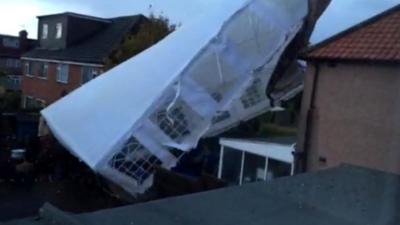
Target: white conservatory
{"x":250,"y":160}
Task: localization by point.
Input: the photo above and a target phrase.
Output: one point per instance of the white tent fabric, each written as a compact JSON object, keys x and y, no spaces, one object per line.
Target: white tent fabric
{"x":201,"y":78}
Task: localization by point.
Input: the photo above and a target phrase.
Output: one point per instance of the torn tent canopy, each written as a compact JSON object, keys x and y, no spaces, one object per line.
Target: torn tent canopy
{"x":202,"y":78}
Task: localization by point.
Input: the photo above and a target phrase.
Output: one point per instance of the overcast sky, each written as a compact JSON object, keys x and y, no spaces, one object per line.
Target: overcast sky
{"x":21,"y":14}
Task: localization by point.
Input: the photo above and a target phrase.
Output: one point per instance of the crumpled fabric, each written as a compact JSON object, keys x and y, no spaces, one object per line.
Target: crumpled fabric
{"x":199,"y":81}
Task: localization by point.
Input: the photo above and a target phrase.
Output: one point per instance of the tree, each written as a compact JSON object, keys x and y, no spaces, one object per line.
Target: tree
{"x":154,"y":29}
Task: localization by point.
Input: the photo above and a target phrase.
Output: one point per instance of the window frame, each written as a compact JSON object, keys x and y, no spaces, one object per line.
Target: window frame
{"x":43,"y":70}
{"x":11,"y":42}
{"x":59,"y":31}
{"x":29,"y":69}
{"x":91,"y":70}
{"x":45,"y":31}
{"x":60,"y":74}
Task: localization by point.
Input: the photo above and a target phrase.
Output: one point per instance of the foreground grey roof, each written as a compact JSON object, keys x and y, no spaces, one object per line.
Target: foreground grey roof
{"x":94,"y":49}
{"x":345,"y":195}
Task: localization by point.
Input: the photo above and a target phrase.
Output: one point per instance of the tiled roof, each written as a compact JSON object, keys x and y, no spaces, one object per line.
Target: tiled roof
{"x":94,"y":49}
{"x":377,"y":39}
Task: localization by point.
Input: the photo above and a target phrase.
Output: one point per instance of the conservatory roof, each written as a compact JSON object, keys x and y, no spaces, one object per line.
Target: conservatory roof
{"x":274,"y":150}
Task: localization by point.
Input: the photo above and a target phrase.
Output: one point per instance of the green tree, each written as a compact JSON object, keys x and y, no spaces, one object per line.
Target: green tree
{"x":149,"y":33}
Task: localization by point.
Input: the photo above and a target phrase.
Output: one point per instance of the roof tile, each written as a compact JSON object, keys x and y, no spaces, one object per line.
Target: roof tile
{"x":375,"y":39}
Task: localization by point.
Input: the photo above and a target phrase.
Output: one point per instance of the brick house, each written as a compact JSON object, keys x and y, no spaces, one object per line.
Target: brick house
{"x":351,"y":103}
{"x":72,"y":51}
{"x":11,"y":49}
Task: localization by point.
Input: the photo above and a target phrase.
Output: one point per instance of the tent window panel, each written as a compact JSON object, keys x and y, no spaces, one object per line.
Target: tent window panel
{"x":213,"y":72}
{"x":253,"y":94}
{"x":135,"y":161}
{"x":177,"y":122}
{"x":221,"y":116}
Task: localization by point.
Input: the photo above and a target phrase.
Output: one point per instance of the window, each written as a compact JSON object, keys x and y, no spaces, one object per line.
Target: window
{"x":253,"y":94}
{"x":221,"y":116}
{"x":62,"y":73}
{"x":58,"y":30}
{"x":29,"y":68}
{"x":34,"y":103}
{"x":43,"y":69}
{"x":11,"y":42}
{"x":88,"y":74}
{"x":12,"y":63}
{"x":45,"y":31}
{"x":173,"y":123}
{"x":14,"y":81}
{"x":135,"y":161}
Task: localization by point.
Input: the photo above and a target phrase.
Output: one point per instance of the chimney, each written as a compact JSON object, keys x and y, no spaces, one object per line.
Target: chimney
{"x":23,"y":34}
{"x":23,"y":39}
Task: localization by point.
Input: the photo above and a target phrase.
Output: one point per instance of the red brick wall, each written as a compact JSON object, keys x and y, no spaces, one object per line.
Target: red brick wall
{"x":50,"y":89}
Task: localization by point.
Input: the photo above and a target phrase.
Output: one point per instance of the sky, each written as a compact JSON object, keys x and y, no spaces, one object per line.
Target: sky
{"x":16,"y":15}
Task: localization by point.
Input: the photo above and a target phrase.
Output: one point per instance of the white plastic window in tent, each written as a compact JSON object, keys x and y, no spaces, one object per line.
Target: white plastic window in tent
{"x":174,"y":121}
{"x":221,"y":116}
{"x":58,"y":30}
{"x":62,"y":73}
{"x":135,"y":161}
{"x":45,"y":31}
{"x":253,"y":94}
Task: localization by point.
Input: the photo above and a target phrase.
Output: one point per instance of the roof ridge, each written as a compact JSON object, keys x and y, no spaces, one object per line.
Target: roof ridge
{"x":127,"y":16}
{"x":349,"y":30}
{"x":79,"y":15}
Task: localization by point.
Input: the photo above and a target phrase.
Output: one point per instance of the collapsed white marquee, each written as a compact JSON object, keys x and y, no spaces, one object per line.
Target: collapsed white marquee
{"x":202,"y":78}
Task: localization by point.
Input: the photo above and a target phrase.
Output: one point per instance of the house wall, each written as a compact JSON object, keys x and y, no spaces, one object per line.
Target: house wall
{"x":74,"y":29}
{"x":49,"y":89}
{"x":356,"y":116}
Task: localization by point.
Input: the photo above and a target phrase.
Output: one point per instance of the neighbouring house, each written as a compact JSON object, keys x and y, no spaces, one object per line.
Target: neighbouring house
{"x":11,"y":50}
{"x":351,"y":102}
{"x":72,"y":51}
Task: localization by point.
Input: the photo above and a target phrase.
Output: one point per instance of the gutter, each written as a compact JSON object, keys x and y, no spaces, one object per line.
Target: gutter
{"x":62,"y":62}
{"x":301,"y":154}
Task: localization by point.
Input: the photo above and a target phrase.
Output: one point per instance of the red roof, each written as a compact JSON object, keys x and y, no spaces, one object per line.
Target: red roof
{"x":377,"y":39}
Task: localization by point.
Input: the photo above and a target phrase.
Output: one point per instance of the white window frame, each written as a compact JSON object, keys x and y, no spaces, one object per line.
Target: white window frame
{"x":26,"y":100}
{"x":41,"y":102}
{"x":28,"y":67}
{"x":11,"y":42}
{"x":92,"y":70}
{"x":59,"y":30}
{"x":62,"y":77}
{"x":43,"y":67}
{"x":9,"y":62}
{"x":45,"y":31}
